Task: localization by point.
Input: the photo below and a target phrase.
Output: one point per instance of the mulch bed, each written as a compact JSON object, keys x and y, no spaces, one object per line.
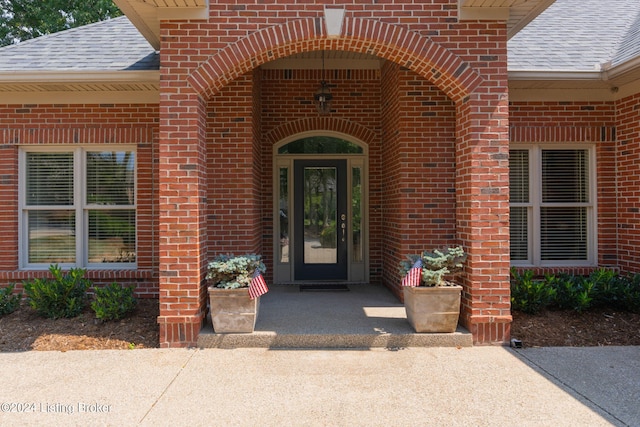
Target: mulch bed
{"x":597,"y":327}
{"x":25,"y":330}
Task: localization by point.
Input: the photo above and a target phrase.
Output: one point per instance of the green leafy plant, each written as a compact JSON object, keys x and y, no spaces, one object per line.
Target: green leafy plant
{"x":528,"y":294}
{"x":9,"y":301}
{"x":573,"y":292}
{"x":602,"y":288}
{"x":64,"y":295}
{"x":231,"y":272}
{"x":437,"y":266}
{"x":113,"y":302}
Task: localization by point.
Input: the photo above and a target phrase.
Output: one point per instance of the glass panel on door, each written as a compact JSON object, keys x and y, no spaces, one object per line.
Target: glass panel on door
{"x":320,"y":215}
{"x":320,"y":222}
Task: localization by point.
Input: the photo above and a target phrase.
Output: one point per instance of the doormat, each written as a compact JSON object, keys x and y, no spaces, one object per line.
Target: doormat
{"x":324,"y":287}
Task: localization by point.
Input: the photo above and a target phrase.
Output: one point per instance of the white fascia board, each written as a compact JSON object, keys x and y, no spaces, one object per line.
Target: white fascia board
{"x":613,"y":72}
{"x":555,"y":75}
{"x":78,"y":76}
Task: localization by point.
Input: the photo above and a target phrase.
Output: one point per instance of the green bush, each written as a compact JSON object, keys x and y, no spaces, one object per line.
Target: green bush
{"x":573,"y":292}
{"x":113,"y":302}
{"x":62,"y":296}
{"x":9,"y":301}
{"x":529,"y":295}
{"x":602,"y":288}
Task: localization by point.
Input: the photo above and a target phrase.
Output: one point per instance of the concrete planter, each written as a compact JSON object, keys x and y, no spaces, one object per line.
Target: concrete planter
{"x":232,"y":311}
{"x":433,"y":309}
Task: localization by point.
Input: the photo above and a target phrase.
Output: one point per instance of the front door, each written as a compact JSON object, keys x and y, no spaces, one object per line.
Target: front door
{"x":320,"y":220}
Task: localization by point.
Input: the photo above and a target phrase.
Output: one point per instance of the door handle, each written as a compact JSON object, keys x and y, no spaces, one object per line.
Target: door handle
{"x":343,"y":217}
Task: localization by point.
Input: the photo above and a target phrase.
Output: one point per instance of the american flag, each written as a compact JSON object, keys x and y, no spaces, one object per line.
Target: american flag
{"x":257,"y":286}
{"x":414,"y":275}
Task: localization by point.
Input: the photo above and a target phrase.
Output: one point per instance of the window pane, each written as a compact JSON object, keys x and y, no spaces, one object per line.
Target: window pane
{"x":110,"y":178}
{"x":112,"y":236}
{"x":49,"y":179}
{"x":320,"y":145}
{"x":284,"y":215}
{"x":356,"y":207}
{"x":563,"y":233}
{"x":565,"y":176}
{"x":519,"y":230}
{"x":519,"y":176}
{"x":51,"y":236}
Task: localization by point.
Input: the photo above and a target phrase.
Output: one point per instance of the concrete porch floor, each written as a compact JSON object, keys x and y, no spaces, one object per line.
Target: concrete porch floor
{"x":364,"y":317}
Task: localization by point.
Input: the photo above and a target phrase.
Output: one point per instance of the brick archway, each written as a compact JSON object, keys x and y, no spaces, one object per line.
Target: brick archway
{"x":320,"y":124}
{"x":409,"y":49}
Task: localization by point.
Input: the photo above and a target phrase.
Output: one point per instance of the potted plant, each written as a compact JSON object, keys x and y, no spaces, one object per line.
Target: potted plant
{"x":235,"y":286}
{"x":431,"y":298}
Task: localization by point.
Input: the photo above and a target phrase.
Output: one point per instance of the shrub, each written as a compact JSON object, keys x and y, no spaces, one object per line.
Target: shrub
{"x":231,"y":272}
{"x":9,"y":301}
{"x":530,"y":295}
{"x":62,"y":296}
{"x":630,"y":294}
{"x":113,"y":302}
{"x":602,"y":288}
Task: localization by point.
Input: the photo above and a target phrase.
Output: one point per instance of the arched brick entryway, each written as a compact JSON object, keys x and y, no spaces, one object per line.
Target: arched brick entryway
{"x":481,"y":149}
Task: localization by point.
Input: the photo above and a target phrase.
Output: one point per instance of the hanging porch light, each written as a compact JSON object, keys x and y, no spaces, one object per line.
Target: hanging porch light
{"x":323,"y":96}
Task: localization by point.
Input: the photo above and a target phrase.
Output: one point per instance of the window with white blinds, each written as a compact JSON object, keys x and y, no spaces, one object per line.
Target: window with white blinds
{"x":78,"y":207}
{"x":552,"y":207}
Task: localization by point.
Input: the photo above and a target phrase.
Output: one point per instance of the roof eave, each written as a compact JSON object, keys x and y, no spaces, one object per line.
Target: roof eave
{"x":78,"y":76}
{"x":146,"y":15}
{"x":555,"y":75}
{"x":517,"y":14}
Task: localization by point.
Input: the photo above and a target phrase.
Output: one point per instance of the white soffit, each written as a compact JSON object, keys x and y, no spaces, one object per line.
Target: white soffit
{"x":517,"y":13}
{"x":147,"y":14}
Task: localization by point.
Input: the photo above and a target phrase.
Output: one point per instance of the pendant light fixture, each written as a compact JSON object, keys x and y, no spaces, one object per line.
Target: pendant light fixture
{"x":323,"y":96}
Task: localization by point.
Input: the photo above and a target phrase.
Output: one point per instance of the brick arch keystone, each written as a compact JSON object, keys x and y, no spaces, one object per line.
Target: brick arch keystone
{"x":295,"y":127}
{"x":395,"y":43}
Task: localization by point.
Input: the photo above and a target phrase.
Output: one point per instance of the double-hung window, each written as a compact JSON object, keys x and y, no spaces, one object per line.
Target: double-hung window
{"x":78,"y":207}
{"x":552,"y":201}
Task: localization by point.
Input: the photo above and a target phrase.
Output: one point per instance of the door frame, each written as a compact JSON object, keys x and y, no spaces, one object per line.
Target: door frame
{"x":284,"y":267}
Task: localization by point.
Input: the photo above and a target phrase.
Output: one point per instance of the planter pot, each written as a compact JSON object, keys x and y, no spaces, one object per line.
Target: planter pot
{"x":232,"y":311}
{"x":433,"y":309}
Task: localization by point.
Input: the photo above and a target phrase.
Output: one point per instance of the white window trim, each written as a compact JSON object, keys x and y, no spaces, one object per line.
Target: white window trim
{"x":80,"y":206}
{"x":535,"y":203}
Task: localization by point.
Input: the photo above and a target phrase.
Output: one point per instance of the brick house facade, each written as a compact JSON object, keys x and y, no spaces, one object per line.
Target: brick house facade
{"x":430,"y":110}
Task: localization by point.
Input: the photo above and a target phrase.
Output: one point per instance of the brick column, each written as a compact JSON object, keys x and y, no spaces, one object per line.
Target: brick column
{"x":482,"y":214}
{"x":182,"y":222}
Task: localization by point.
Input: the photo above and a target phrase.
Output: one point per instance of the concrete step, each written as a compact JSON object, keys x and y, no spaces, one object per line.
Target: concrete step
{"x":366,"y":316}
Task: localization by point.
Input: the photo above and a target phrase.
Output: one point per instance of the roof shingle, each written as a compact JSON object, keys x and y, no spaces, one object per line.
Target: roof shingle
{"x":578,"y":35}
{"x":111,"y":45}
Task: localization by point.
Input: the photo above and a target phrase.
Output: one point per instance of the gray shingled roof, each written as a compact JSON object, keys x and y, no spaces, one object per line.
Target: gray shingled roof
{"x":578,"y":35}
{"x":110,"y":45}
{"x":574,"y":35}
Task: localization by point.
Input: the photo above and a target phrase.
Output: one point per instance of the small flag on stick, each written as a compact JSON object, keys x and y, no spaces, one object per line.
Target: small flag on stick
{"x":257,"y":286}
{"x":414,"y":275}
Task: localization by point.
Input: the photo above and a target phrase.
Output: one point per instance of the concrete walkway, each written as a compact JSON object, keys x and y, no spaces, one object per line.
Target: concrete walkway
{"x":476,"y":386}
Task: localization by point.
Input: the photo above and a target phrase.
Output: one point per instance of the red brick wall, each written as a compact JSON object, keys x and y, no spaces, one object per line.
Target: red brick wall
{"x":628,"y":167}
{"x":418,"y":169}
{"x":233,"y":199}
{"x":578,"y":122}
{"x":22,"y":125}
